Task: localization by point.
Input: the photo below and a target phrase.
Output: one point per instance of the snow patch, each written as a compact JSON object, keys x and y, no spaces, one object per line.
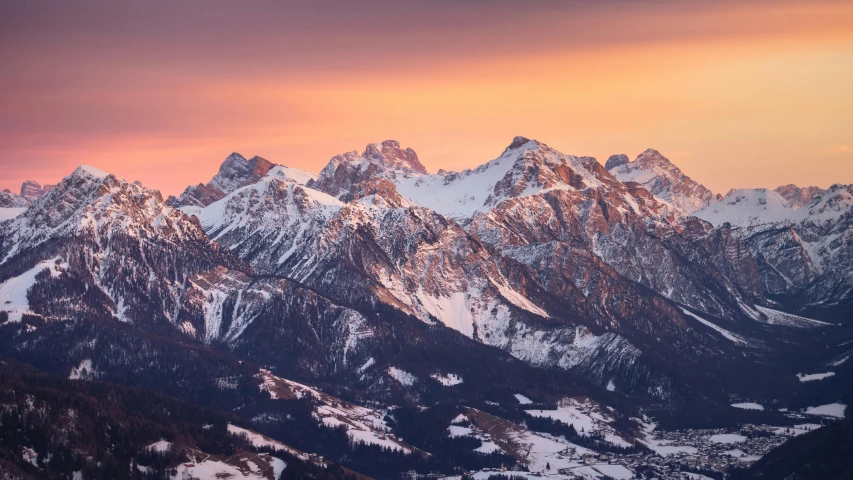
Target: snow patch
{"x":727,"y":438}
{"x":369,"y":363}
{"x":829,"y":410}
{"x":160,"y":446}
{"x":522,"y":399}
{"x":775,"y":317}
{"x":84,"y":371}
{"x":748,"y":406}
{"x":405,"y":378}
{"x":814,"y":376}
{"x":13,"y":292}
{"x":448,"y":380}
{"x":722,"y":331}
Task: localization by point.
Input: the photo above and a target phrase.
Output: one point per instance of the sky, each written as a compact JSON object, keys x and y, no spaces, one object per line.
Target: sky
{"x":737,"y":93}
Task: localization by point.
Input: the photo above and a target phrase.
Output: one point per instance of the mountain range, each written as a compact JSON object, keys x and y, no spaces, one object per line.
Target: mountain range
{"x":411,"y":298}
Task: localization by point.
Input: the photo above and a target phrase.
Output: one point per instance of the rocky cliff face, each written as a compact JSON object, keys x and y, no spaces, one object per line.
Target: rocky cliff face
{"x":31,"y":190}
{"x":662,"y":179}
{"x":798,"y":197}
{"x":10,"y":200}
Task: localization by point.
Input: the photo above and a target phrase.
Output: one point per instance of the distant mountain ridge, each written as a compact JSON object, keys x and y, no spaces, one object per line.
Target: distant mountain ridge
{"x":537,"y":274}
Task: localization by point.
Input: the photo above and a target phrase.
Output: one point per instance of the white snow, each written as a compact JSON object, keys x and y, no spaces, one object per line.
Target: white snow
{"x":814,"y":376}
{"x":722,"y":331}
{"x":10,"y":212}
{"x":84,"y":371}
{"x":829,"y":410}
{"x":13,"y":292}
{"x":299,"y":176}
{"x":278,"y":466}
{"x":487,"y":447}
{"x":405,"y":378}
{"x":611,"y":387}
{"x":457,"y":431}
{"x":727,"y":438}
{"x":159,"y":446}
{"x":213,"y":470}
{"x":749,"y":207}
{"x":461,"y":418}
{"x":448,"y":380}
{"x":369,"y":363}
{"x":522,"y":399}
{"x":453,"y":310}
{"x":257,"y":439}
{"x":775,"y":317}
{"x":586,"y":417}
{"x":748,"y":406}
{"x":796,"y":430}
{"x":90,"y":171}
{"x":460,"y":195}
{"x":839,"y":361}
{"x":30,"y":455}
{"x":599,"y":470}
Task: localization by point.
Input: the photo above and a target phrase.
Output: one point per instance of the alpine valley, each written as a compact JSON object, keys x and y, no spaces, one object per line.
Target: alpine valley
{"x":541,"y":315}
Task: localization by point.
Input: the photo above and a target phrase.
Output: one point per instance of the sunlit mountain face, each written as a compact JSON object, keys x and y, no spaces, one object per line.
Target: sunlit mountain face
{"x":286,"y":241}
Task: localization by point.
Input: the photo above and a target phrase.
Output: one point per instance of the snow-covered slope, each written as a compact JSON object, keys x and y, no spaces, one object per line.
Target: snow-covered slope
{"x":749,"y":207}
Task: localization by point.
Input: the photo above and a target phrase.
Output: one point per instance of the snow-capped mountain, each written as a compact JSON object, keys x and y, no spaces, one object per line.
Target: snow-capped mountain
{"x":519,"y":171}
{"x":112,"y":235}
{"x":662,"y":179}
{"x":370,"y":237}
{"x":534,"y":275}
{"x":378,"y":247}
{"x":805,"y":252}
{"x":235,"y":172}
{"x":749,"y":207}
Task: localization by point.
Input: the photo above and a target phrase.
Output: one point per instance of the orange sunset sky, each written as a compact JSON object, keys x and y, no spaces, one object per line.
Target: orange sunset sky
{"x":738,"y":94}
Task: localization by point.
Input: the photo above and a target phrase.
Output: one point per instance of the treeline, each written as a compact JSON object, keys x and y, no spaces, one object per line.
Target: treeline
{"x":592,"y":440}
{"x":52,"y":427}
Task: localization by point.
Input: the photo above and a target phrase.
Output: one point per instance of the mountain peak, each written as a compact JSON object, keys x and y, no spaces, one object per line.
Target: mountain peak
{"x":389,"y":152}
{"x":235,"y":171}
{"x":90,"y":171}
{"x":651,"y":156}
{"x":616,"y":161}
{"x":518,"y":142}
{"x":663,"y":179}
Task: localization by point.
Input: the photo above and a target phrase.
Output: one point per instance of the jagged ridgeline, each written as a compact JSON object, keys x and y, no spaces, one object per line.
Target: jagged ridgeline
{"x":402,"y":300}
